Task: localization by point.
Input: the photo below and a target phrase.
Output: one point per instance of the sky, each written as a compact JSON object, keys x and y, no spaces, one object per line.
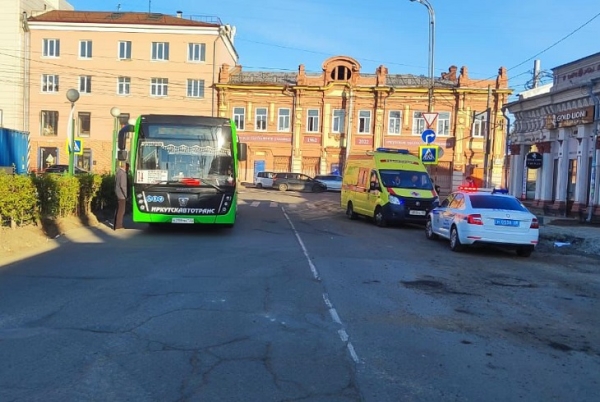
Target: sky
{"x":484,"y":35}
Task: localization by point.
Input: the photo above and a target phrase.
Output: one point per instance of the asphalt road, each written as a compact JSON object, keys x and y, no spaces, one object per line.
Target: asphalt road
{"x":296,"y":303}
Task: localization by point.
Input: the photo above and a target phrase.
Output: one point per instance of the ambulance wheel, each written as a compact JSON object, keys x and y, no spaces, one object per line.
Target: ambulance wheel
{"x":350,"y":211}
{"x":379,"y":218}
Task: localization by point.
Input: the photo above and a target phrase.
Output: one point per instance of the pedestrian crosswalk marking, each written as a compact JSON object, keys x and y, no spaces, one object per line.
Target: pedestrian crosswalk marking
{"x":273,"y":204}
{"x":255,"y":204}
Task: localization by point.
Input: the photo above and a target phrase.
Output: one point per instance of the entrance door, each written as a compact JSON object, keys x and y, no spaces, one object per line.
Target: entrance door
{"x":259,"y":166}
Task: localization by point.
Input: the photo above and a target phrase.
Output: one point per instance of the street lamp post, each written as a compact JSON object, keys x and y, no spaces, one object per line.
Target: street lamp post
{"x":115,"y":112}
{"x":431,"y":50}
{"x":72,"y":96}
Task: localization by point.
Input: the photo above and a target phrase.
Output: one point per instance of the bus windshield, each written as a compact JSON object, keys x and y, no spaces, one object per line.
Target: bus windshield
{"x":171,"y":152}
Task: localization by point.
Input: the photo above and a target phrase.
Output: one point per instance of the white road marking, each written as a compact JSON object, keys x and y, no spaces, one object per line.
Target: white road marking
{"x":255,"y":204}
{"x":332,"y":311}
{"x":273,"y":204}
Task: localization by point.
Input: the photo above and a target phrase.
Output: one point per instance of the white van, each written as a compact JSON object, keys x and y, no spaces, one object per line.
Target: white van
{"x":263,"y":180}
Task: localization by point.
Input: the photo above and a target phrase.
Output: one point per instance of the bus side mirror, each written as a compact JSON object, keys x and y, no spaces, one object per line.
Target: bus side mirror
{"x":123,"y":134}
{"x":122,"y":155}
{"x":242,"y":151}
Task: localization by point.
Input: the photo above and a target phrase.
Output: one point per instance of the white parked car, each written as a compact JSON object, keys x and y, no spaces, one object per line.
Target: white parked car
{"x":263,"y":180}
{"x":474,"y":217}
{"x":332,"y":181}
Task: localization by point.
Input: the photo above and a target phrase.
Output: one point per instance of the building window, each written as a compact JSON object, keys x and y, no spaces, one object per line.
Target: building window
{"x":364,"y":121}
{"x":49,"y":83}
{"x":283,"y":121}
{"x":337,"y":123}
{"x":124,"y":85}
{"x":85,"y":84}
{"x":261,"y":119}
{"x":312,"y":123}
{"x":51,"y":48}
{"x":125,"y":50}
{"x":419,"y":124}
{"x":159,"y":87}
{"x":85,"y":49}
{"x":341,"y":73}
{"x":443,"y":123}
{"x":84,"y":120}
{"x":49,"y":122}
{"x":84,"y":161}
{"x":197,"y":52}
{"x":479,"y":127}
{"x":160,"y":51}
{"x":239,"y":117}
{"x":395,"y":122}
{"x":195,"y":88}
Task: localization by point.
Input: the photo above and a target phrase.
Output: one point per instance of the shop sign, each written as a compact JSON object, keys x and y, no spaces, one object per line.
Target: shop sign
{"x":534,"y":160}
{"x":571,"y":118}
{"x":265,"y":138}
{"x":363,"y":140}
{"x":312,"y":139}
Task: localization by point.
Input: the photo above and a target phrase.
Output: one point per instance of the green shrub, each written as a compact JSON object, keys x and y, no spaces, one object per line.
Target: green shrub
{"x":18,"y":200}
{"x":89,"y":185}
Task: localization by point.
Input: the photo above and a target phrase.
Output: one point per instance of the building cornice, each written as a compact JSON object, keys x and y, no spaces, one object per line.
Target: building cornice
{"x":122,"y":28}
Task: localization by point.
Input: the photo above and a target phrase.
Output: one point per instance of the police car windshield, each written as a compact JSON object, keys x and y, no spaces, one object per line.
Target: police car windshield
{"x":405,"y":179}
{"x":489,"y":201}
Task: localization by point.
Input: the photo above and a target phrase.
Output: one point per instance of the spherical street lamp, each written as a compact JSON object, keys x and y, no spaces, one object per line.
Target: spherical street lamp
{"x":72,"y":96}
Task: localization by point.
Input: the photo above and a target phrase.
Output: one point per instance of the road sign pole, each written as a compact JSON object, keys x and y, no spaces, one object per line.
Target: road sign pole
{"x":72,"y":143}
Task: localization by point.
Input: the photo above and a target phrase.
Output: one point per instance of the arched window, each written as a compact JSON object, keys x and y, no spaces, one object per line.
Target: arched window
{"x":341,"y":73}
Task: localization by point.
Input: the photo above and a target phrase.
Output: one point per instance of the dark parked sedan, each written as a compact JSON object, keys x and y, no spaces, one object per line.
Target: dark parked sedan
{"x":64,"y":169}
{"x":297,"y":181}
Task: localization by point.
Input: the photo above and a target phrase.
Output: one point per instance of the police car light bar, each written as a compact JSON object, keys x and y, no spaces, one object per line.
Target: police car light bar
{"x":393,"y":150}
{"x":499,"y":191}
{"x":465,"y":188}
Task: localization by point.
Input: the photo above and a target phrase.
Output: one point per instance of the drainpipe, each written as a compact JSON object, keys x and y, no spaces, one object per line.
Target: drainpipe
{"x":26,"y":78}
{"x":595,"y":153}
{"x":349,"y":125}
{"x":504,"y":113}
{"x":214,"y":67}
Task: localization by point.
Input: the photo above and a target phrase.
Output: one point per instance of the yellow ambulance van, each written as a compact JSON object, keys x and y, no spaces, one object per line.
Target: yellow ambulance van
{"x":388,"y":185}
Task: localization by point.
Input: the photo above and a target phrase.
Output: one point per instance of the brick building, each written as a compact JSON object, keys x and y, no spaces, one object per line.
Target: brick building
{"x":310,"y":123}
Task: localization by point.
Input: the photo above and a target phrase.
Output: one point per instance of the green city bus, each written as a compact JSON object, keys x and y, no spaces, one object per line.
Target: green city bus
{"x":184,"y":169}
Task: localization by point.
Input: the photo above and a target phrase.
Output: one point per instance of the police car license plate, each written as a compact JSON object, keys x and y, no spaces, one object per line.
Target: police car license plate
{"x":414,"y":212}
{"x":506,"y":222}
{"x":182,"y":220}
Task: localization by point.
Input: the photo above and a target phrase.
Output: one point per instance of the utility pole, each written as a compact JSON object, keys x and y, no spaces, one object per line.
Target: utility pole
{"x":486,"y":139}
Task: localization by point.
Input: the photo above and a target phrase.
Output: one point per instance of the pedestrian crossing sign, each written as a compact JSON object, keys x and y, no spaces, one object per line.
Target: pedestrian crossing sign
{"x":429,"y":154}
{"x":78,"y":147}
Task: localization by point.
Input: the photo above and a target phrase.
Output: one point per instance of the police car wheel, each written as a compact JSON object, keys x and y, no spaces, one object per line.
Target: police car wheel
{"x":379,"y":218}
{"x":429,"y":231}
{"x":524,"y":251}
{"x":455,"y":244}
{"x":350,"y":212}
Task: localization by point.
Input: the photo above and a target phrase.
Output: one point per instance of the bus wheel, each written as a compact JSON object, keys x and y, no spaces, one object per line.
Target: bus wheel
{"x":379,"y":218}
{"x":350,"y":211}
{"x":283,"y":187}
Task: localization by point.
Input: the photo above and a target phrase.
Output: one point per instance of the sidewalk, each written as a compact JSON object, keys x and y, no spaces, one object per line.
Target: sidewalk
{"x":569,"y":235}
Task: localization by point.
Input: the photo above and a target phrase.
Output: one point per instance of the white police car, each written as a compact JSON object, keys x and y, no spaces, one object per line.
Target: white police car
{"x":471,"y":216}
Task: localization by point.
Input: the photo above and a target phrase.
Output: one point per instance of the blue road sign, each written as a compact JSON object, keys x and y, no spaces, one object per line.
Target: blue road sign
{"x":429,"y":154}
{"x":428,"y":136}
{"x":78,"y":147}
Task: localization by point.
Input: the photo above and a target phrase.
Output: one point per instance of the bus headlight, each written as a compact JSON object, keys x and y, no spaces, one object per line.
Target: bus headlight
{"x":224,"y":209}
{"x":143,"y":207}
